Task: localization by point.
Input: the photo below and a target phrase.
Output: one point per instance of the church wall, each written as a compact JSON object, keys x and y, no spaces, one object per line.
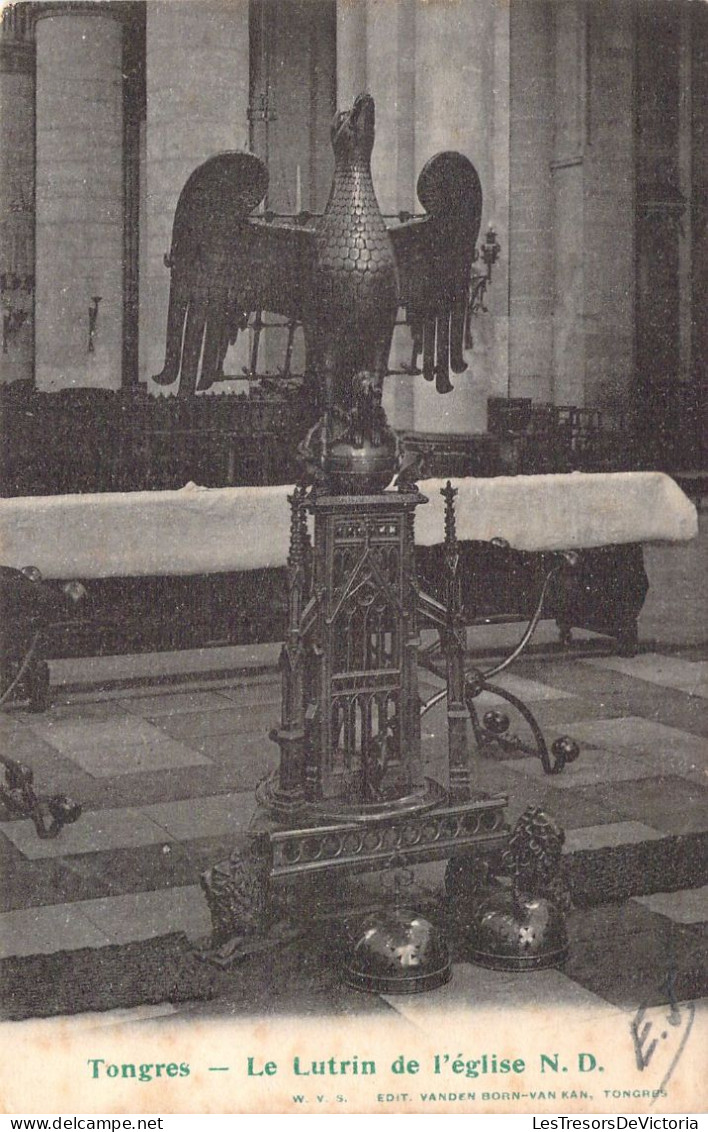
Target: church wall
{"x":572,"y":201}
{"x":569,"y":179}
{"x":530,"y":244}
{"x":610,"y":206}
{"x":79,"y":198}
{"x":699,"y":202}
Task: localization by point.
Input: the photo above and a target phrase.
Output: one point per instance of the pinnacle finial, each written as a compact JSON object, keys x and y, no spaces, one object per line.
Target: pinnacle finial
{"x":448,"y":493}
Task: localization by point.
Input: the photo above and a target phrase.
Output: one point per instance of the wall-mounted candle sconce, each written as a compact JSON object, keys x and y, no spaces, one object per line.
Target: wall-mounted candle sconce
{"x":480,"y":280}
{"x":14,"y":315}
{"x":93,"y":319}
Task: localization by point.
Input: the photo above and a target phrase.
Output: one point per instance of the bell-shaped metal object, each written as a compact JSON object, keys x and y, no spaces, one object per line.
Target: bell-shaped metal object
{"x":517,"y":933}
{"x":397,"y":951}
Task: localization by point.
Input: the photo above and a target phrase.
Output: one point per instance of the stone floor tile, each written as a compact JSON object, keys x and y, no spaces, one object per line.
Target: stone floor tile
{"x":11,"y":722}
{"x":695,"y":651}
{"x":618,"y":696}
{"x":203,"y":817}
{"x":638,"y":735}
{"x":473,"y":987}
{"x":83,"y":670}
{"x":65,"y":710}
{"x":573,"y":809}
{"x":225,"y":775}
{"x":238,"y":747}
{"x":668,"y":749}
{"x":53,"y":773}
{"x":609,"y":835}
{"x":557,"y":716}
{"x":531,"y":691}
{"x":246,"y":759}
{"x":28,"y":884}
{"x":688,"y":906}
{"x":20,"y":742}
{"x":111,"y":760}
{"x":534,"y":699}
{"x":187,"y":860}
{"x":94,"y":831}
{"x":55,"y":927}
{"x":613,"y":690}
{"x":593,"y":766}
{"x":246,"y":695}
{"x":504,"y":637}
{"x":164,"y":864}
{"x":190,"y":726}
{"x":71,"y":735}
{"x":655,"y":668}
{"x":630,"y":967}
{"x":433,"y":724}
{"x":247,"y":679}
{"x":140,"y":915}
{"x":176,"y":702}
{"x":605,"y":922}
{"x":667,"y":803}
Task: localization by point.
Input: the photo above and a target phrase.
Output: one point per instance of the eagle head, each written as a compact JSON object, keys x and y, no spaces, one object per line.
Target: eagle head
{"x":353,"y":130}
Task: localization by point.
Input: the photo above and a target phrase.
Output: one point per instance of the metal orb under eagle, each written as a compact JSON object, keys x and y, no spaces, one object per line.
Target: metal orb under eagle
{"x":351,"y":792}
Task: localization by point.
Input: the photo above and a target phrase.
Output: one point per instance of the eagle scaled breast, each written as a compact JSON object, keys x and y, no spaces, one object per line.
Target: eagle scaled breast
{"x":355,"y":257}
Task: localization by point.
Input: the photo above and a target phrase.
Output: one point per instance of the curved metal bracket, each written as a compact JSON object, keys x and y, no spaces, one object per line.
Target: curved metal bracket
{"x":48,"y":814}
{"x":495,"y":724}
{"x":569,"y":558}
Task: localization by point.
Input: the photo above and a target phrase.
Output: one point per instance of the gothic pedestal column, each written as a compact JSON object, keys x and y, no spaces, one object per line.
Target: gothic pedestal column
{"x":79,"y":202}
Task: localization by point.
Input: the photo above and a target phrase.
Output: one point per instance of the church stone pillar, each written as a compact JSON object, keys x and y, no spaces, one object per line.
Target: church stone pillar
{"x":351,"y":50}
{"x":610,"y":204}
{"x":531,"y":283}
{"x":569,"y":171}
{"x":79,"y":197}
{"x":17,"y":194}
{"x":197,"y":75}
{"x":461,"y":102}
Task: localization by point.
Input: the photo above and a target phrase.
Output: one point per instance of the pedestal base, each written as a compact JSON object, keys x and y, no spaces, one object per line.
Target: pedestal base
{"x":389,"y":839}
{"x":299,"y":813}
{"x":241,"y":891}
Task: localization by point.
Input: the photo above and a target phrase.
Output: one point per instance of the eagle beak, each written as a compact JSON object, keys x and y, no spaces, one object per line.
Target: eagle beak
{"x":363,"y":105}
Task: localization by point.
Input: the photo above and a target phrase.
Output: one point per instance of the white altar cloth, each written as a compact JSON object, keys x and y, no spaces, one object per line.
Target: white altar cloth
{"x":199,"y":530}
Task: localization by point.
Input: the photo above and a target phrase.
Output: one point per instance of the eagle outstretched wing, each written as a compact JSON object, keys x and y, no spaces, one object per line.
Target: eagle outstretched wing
{"x":434,"y":255}
{"x":226,"y":264}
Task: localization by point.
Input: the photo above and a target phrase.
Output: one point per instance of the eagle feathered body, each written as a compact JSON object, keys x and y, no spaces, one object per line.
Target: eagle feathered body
{"x":354,"y":293}
{"x":343,"y":274}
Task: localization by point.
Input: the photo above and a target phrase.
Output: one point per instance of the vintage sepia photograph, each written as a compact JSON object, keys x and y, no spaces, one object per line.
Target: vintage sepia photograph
{"x":354,"y":655}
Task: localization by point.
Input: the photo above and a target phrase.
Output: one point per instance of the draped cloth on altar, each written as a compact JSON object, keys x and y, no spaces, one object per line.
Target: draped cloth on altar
{"x":199,"y":530}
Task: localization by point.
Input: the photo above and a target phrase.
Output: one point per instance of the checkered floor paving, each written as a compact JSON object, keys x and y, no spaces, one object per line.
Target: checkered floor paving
{"x":166,"y":776}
